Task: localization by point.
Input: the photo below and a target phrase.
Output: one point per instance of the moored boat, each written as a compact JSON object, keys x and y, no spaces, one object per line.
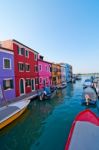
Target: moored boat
{"x":62,"y":86}
{"x":46,"y":93}
{"x":89,"y":96}
{"x":12,"y":111}
{"x":87,"y":83}
{"x":84,"y":133}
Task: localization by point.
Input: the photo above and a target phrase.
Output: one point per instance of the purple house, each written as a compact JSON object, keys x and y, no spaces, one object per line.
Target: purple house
{"x":7,"y":78}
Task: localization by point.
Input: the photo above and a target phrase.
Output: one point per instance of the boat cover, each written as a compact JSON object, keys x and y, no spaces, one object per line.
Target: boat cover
{"x":85,"y":137}
{"x":4,"y":113}
{"x":91,"y":92}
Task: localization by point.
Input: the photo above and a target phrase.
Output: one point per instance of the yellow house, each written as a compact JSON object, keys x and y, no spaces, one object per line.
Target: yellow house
{"x":56,"y":74}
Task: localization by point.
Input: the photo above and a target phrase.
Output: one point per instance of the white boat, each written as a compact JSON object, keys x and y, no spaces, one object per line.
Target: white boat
{"x":89,"y":96}
{"x":12,"y":111}
{"x":87,"y":83}
{"x":84,"y":133}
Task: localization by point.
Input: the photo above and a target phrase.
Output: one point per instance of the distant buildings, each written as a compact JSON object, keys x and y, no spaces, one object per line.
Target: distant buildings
{"x":69,"y":73}
{"x":24,"y":70}
{"x":56,"y":74}
{"x":63,"y":72}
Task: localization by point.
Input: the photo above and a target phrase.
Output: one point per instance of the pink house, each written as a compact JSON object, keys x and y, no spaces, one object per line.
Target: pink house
{"x":44,"y":69}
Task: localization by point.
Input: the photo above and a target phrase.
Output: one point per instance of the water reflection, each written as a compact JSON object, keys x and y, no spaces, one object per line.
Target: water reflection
{"x":45,"y":124}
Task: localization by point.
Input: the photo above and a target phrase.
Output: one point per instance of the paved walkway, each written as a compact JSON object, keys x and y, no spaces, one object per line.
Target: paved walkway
{"x":31,"y":95}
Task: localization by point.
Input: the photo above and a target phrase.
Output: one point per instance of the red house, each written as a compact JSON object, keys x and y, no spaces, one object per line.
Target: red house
{"x":25,"y":65}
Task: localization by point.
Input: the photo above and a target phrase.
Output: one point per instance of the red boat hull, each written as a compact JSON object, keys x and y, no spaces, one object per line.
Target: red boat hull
{"x":84,"y":116}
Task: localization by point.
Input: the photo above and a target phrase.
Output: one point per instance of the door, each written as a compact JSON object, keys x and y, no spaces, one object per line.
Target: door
{"x":32,"y":84}
{"x":22,"y":86}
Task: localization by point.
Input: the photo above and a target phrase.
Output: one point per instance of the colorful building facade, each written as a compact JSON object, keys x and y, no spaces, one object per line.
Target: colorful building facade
{"x":56,"y":74}
{"x":69,"y":73}
{"x":44,"y":69}
{"x":63,"y":72}
{"x":7,"y":76}
{"x":25,"y":66}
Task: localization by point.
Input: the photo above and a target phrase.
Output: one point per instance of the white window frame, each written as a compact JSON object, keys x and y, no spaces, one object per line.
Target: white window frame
{"x":28,"y":53}
{"x":39,"y":80}
{"x":35,"y":67}
{"x":36,"y":56}
{"x":18,"y":66}
{"x":13,"y":83}
{"x":4,"y":65}
{"x":39,"y":67}
{"x":25,"y":66}
{"x":30,"y":81}
{"x":36,"y":79}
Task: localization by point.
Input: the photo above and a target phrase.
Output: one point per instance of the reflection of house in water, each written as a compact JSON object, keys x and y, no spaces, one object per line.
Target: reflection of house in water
{"x":70,"y":89}
{"x":16,"y":123}
{"x":61,"y":93}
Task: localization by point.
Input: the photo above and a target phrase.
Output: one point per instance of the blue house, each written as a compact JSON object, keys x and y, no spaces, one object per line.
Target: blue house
{"x":68,"y":73}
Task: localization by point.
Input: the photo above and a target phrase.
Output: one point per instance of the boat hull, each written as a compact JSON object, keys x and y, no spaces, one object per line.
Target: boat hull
{"x":84,"y":117}
{"x":11,"y":112}
{"x":11,"y":119}
{"x":91,"y":102}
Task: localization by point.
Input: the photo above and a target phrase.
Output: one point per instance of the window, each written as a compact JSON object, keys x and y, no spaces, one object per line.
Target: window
{"x":46,"y":68}
{"x":50,"y":69}
{"x":40,"y":67}
{"x":35,"y":57}
{"x":40,"y":80}
{"x":36,"y":68}
{"x":8,"y":84}
{"x":21,"y":66}
{"x":21,"y":51}
{"x":28,"y":82}
{"x":27,"y":67}
{"x":6,"y":63}
{"x":27,"y":53}
{"x":36,"y":81}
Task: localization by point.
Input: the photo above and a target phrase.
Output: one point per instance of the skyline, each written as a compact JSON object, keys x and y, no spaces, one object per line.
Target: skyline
{"x":61,"y":31}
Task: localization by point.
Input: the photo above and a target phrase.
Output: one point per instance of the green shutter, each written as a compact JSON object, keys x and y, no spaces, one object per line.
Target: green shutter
{"x":4,"y":84}
{"x":11,"y":84}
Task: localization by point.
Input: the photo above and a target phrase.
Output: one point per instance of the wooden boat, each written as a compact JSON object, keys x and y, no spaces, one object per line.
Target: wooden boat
{"x":62,"y":86}
{"x":89,"y":96}
{"x":12,"y":111}
{"x":46,"y":96}
{"x":84,"y":133}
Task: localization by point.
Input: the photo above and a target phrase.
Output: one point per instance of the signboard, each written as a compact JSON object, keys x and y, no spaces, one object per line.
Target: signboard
{"x":1,"y":94}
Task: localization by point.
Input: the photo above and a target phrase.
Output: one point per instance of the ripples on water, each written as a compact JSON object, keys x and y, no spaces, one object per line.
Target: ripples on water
{"x":45,"y":125}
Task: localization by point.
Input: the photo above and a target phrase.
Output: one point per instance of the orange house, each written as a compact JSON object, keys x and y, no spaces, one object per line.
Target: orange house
{"x":56,"y":74}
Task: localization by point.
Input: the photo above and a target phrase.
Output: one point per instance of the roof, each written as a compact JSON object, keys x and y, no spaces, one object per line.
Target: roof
{"x":24,"y":45}
{"x":5,"y":48}
{"x":44,"y":61}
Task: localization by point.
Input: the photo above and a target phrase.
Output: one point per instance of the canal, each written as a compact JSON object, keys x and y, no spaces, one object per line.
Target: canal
{"x":45,"y":125}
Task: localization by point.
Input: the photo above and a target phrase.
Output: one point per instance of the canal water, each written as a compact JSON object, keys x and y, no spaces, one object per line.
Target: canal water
{"x":45,"y":125}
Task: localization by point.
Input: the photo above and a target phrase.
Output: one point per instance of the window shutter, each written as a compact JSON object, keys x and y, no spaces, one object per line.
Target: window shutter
{"x":11,"y":84}
{"x":4,"y":84}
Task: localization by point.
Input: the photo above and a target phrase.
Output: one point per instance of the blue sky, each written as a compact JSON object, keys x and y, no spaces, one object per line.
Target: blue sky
{"x":61,"y":30}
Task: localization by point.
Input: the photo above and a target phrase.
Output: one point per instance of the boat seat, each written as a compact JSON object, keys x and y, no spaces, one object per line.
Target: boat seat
{"x":85,"y":137}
